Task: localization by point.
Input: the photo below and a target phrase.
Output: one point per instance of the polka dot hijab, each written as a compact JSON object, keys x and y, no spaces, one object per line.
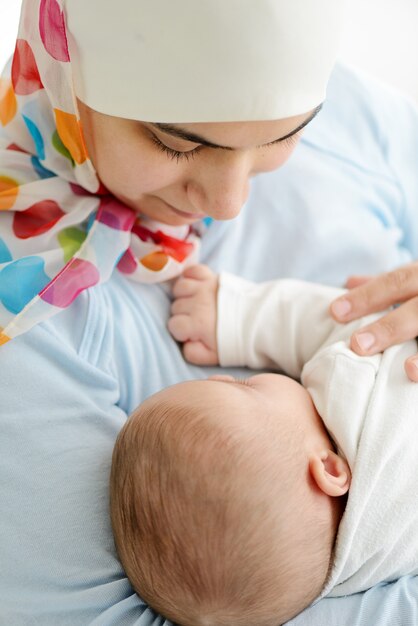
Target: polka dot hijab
{"x":61,"y":232}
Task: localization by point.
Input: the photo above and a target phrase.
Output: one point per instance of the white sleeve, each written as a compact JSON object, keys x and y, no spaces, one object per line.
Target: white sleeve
{"x":278,"y":325}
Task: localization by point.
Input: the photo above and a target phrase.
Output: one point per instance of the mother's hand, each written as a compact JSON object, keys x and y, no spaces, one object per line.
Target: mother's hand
{"x":370,"y":295}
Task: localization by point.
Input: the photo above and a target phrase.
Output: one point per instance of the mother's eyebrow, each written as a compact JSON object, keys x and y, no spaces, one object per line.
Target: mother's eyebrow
{"x":182,"y":133}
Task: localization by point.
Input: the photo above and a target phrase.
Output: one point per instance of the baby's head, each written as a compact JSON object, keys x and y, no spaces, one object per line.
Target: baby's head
{"x":224,"y":501}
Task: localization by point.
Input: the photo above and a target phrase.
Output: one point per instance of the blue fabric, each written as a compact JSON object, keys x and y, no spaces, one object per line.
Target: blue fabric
{"x":346,"y":202}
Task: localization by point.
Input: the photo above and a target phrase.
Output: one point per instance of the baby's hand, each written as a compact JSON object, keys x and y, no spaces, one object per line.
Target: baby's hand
{"x":193,"y":314}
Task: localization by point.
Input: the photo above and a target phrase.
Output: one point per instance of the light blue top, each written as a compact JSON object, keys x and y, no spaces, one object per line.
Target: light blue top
{"x":347,"y":202}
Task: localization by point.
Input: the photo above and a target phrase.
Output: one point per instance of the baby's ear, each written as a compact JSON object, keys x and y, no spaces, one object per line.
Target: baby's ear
{"x":330,"y":472}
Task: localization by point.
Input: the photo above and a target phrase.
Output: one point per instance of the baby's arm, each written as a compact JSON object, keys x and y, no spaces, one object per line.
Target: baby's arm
{"x":277,"y":325}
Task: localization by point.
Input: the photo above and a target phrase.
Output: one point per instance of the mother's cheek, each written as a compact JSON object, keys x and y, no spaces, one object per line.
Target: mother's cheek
{"x":274,"y":157}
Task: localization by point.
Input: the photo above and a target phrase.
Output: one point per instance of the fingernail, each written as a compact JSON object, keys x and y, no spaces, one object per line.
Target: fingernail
{"x":365,"y":340}
{"x":414,"y":372}
{"x":341,"y":308}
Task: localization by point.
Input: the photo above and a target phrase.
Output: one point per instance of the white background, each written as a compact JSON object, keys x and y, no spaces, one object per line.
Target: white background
{"x":381,"y":38}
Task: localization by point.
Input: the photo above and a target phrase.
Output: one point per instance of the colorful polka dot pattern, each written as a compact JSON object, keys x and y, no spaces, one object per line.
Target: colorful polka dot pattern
{"x":71,"y":135}
{"x":9,"y":189}
{"x":25,"y":74}
{"x":8,"y":102}
{"x":51,"y":200}
{"x":52,"y":30}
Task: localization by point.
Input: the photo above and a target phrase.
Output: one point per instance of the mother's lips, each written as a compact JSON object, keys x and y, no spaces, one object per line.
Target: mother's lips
{"x":192,"y":216}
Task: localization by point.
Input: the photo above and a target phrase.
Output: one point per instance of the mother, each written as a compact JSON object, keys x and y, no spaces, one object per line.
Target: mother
{"x":180,"y":103}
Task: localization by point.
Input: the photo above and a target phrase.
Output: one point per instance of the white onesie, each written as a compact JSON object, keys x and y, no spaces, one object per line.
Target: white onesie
{"x":368,"y":405}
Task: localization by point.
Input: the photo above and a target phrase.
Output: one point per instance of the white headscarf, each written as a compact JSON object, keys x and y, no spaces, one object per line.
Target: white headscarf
{"x":203,"y":60}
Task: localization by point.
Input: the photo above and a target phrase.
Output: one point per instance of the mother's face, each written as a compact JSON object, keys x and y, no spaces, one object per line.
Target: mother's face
{"x":180,"y":173}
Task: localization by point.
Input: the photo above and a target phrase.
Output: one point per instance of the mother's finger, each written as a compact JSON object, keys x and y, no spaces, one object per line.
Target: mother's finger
{"x":411,"y":368}
{"x":356,"y":281}
{"x":395,"y":327}
{"x":377,"y":294}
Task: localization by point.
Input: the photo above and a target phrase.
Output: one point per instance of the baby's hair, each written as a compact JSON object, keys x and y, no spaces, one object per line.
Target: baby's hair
{"x":194,"y":526}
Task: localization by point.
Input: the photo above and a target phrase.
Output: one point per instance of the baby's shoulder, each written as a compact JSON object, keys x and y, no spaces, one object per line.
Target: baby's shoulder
{"x":342,"y":384}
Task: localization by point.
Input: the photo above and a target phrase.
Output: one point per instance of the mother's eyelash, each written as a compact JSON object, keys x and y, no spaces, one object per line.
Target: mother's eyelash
{"x":287,"y":141}
{"x":175,"y":154}
{"x":190,"y":154}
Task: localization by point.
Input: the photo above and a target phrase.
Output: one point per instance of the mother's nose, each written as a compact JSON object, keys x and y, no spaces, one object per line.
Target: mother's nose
{"x":221,"y":190}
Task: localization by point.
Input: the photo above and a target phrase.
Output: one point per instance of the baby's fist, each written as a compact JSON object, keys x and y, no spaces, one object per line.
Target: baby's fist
{"x":193,"y":314}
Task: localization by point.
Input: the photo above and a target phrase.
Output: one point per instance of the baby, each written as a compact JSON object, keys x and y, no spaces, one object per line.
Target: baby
{"x":229,"y":497}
